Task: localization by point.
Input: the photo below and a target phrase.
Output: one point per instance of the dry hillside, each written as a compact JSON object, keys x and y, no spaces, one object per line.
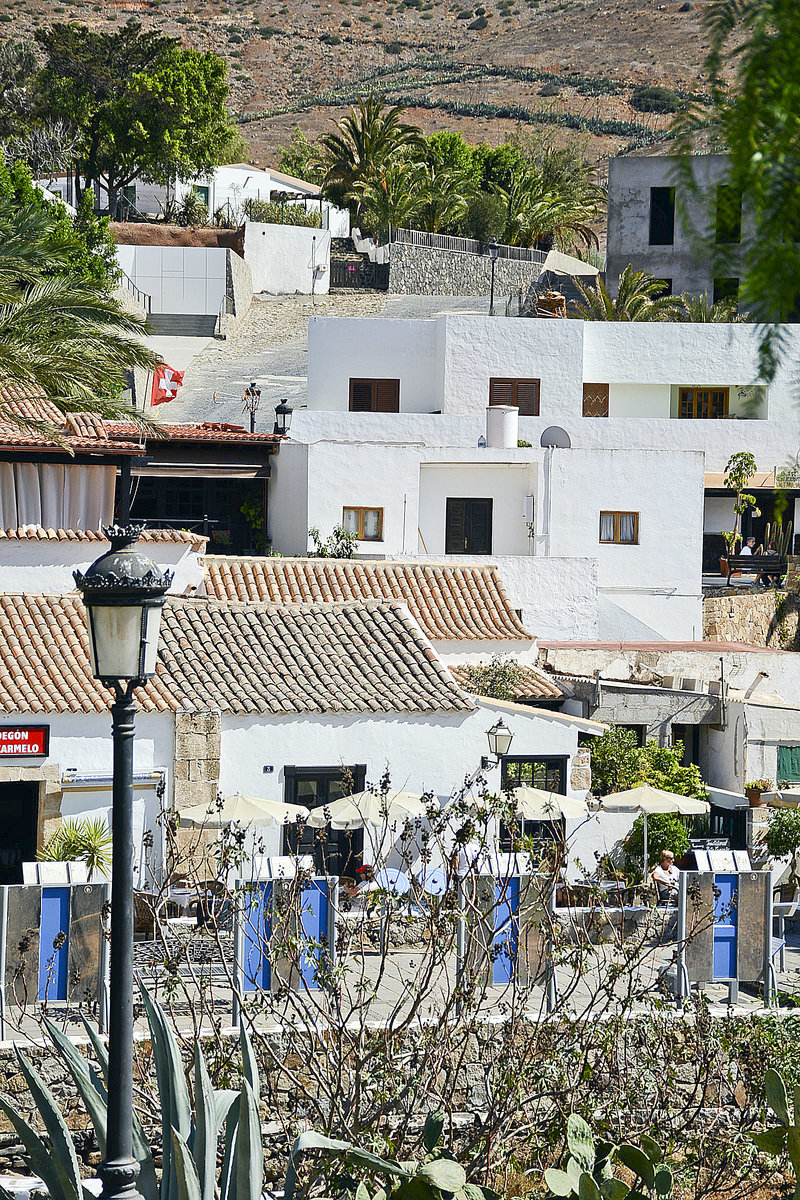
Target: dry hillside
{"x":565,"y":66}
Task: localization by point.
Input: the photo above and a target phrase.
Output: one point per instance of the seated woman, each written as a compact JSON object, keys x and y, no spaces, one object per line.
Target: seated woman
{"x":665,"y":876}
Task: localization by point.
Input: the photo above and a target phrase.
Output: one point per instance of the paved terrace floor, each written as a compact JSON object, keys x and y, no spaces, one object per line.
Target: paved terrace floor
{"x":271,"y":347}
{"x":396,"y":980}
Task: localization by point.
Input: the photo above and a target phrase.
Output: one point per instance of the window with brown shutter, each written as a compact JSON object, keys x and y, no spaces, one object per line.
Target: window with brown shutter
{"x":595,"y":399}
{"x":375,"y":395}
{"x":523,"y":393}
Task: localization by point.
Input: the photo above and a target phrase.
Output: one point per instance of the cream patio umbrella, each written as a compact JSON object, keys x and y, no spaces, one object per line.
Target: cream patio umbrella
{"x":646,"y":799}
{"x":535,"y":804}
{"x":368,"y":808}
{"x":246,"y":810}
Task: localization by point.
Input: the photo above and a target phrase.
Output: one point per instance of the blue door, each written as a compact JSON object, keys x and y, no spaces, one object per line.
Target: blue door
{"x":314,"y":924}
{"x":256,"y":922}
{"x":725,"y":923}
{"x":54,"y":943}
{"x":506,"y":930}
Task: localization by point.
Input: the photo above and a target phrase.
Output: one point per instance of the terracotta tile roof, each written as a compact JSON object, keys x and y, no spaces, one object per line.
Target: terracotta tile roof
{"x":532,"y":684}
{"x":35,"y":533}
{"x":451,"y":601}
{"x":90,"y":432}
{"x":239,"y":658}
{"x":78,"y":431}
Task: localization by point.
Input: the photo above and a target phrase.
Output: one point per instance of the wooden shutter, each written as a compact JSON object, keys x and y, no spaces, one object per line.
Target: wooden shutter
{"x":595,"y":399}
{"x":479,"y":527}
{"x":528,"y":397}
{"x":455,"y":528}
{"x":788,"y":764}
{"x":501,"y":391}
{"x":360,"y":395}
{"x":387,"y":395}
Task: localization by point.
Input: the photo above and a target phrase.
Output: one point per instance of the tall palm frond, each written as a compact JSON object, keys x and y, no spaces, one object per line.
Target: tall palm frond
{"x":541,"y":209}
{"x":640,"y":297}
{"x":697,"y":308}
{"x":443,"y":195}
{"x":366,"y":140}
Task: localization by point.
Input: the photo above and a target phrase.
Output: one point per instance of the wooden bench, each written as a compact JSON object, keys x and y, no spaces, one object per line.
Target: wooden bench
{"x":755,"y":564}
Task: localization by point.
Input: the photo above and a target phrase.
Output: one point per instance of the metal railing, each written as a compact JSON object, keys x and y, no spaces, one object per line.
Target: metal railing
{"x":137,"y":293}
{"x":443,"y":241}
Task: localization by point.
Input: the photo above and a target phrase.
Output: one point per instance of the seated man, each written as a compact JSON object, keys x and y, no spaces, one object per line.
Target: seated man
{"x":665,"y":876}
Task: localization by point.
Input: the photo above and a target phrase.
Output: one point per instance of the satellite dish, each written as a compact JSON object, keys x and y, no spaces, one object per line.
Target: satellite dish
{"x":556,"y":438}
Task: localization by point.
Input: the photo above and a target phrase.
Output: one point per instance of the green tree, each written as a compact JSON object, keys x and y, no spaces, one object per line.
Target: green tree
{"x":739,"y":470}
{"x":640,"y":297}
{"x":447,"y":150}
{"x":82,"y":246}
{"x":485,"y":218}
{"x":697,"y":308}
{"x":338,"y":544}
{"x":58,"y":331}
{"x":500,"y":678}
{"x":17,"y":77}
{"x":387,"y":198}
{"x":442,"y":195}
{"x":302,"y":158}
{"x":665,"y":831}
{"x":753,"y":68}
{"x":618,"y":763}
{"x":366,"y":142}
{"x":144,"y":106}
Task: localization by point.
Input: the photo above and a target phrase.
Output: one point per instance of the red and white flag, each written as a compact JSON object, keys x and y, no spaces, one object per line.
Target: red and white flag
{"x":166,"y":381}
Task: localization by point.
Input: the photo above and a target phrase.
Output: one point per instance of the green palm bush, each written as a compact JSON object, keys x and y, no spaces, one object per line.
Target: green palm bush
{"x":88,"y":840}
{"x":640,"y":297}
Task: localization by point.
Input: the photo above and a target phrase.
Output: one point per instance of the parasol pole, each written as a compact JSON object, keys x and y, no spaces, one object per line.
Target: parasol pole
{"x":644,"y":817}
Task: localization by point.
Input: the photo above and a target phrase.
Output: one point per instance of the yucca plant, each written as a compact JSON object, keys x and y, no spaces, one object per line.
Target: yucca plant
{"x":88,"y":840}
{"x":189,"y":1135}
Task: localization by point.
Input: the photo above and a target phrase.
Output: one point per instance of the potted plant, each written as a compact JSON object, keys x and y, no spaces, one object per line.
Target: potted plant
{"x":754,"y":789}
{"x":781,"y":839}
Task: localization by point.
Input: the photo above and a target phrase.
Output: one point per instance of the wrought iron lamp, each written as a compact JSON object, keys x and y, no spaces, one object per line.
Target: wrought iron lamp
{"x":494,"y":251}
{"x":123,"y":592}
{"x":283,"y":418}
{"x":500,"y":738}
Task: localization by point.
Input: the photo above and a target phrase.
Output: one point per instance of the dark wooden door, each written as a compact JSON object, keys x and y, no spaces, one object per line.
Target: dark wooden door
{"x":468,"y":525}
{"x":19,"y":816}
{"x":335,"y":851}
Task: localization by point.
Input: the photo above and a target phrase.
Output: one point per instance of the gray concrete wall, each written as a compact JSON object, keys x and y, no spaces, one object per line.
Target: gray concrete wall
{"x":692,"y":270}
{"x":418,"y":270}
{"x":239,"y":289}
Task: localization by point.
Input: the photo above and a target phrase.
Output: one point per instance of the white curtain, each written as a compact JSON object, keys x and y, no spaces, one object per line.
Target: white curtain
{"x":627,"y":527}
{"x":606,"y":527}
{"x":56,"y":496}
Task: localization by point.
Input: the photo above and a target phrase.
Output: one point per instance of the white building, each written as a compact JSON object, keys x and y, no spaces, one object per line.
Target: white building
{"x":604,"y":538}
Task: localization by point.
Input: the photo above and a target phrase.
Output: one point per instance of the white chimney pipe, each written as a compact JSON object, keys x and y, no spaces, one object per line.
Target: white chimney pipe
{"x":502,"y":426}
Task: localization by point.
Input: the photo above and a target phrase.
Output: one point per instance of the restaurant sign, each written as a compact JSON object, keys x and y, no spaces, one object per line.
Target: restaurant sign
{"x":24,"y":741}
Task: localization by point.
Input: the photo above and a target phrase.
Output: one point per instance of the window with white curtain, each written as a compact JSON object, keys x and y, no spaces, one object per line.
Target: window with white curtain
{"x":619,"y":528}
{"x":365,"y":523}
{"x":56,"y":496}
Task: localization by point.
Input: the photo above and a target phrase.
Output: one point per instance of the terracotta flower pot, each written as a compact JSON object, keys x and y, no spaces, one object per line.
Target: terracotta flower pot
{"x":753,"y":797}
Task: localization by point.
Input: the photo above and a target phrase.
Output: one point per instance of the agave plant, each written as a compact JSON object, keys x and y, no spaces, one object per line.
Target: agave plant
{"x":189,"y":1135}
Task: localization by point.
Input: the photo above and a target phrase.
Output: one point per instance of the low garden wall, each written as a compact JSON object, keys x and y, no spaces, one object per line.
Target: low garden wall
{"x":422,"y":271}
{"x":769,"y":618}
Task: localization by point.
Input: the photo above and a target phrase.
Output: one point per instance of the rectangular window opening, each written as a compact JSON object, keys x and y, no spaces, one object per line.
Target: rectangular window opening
{"x":662,"y":216}
{"x":619,"y":528}
{"x":701,"y":404}
{"x":365,"y":523}
{"x":729,"y":215}
{"x":522,"y":393}
{"x":726,"y":287}
{"x":375,"y":395}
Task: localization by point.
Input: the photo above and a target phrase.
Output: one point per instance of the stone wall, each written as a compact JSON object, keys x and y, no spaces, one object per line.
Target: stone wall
{"x":239,"y":290}
{"x":418,"y":270}
{"x":768,"y":618}
{"x":196,"y":781}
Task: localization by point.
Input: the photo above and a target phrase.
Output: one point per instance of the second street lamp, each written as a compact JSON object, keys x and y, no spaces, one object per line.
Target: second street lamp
{"x":494,"y":251}
{"x":123,"y":592}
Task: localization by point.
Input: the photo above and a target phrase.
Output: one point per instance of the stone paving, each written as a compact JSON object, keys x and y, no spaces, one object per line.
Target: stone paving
{"x":271,"y":347}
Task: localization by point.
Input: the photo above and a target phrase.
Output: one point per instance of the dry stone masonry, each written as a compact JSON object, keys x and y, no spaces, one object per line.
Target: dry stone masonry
{"x":421,"y":271}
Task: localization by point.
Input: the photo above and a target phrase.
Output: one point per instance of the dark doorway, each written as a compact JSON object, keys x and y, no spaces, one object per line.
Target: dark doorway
{"x":336,"y":851}
{"x":689,"y":735}
{"x":19,"y":820}
{"x":468,"y":526}
{"x":547,"y":773}
{"x":230,"y":512}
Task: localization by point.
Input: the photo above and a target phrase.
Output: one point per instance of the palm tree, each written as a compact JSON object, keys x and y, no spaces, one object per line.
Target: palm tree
{"x":367,"y":140}
{"x":443,"y":195}
{"x":640,"y":297}
{"x":388,"y":199}
{"x":58,"y":333}
{"x":697,"y":308}
{"x":540,"y":210}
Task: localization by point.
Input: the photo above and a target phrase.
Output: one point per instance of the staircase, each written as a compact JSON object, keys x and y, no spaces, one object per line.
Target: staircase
{"x":183,"y":324}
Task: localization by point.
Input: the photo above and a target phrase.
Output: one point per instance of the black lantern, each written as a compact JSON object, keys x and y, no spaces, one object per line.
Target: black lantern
{"x":283,"y":418}
{"x":500,"y":738}
{"x":124,"y":593}
{"x":494,"y":251}
{"x":251,"y":398}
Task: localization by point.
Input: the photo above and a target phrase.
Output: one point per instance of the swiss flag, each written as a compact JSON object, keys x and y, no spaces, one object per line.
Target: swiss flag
{"x":166,"y":381}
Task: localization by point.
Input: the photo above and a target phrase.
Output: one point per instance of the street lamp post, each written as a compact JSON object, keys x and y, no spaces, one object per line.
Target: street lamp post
{"x":494,"y":250}
{"x":251,"y":397}
{"x":123,"y":592}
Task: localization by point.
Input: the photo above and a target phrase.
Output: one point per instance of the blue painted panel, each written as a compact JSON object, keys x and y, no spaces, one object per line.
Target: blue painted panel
{"x":506,"y":930}
{"x":256,"y":922}
{"x":53,"y":962}
{"x":725,"y":926}
{"x":314,"y":921}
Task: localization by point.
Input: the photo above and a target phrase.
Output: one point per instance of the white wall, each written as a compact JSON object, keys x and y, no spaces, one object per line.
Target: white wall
{"x":422,"y":752}
{"x":638,"y":399}
{"x":46,"y":567}
{"x":287,"y":510}
{"x":286,"y":259}
{"x":342,"y":349}
{"x":178,"y":279}
{"x":506,"y":483}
